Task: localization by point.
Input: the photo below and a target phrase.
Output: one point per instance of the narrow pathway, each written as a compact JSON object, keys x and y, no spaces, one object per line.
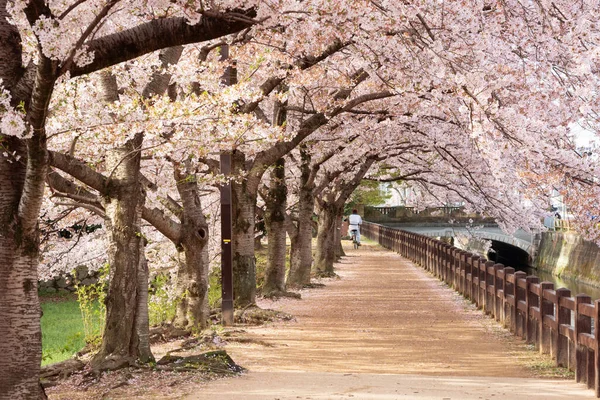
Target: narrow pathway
{"x":385,"y":330}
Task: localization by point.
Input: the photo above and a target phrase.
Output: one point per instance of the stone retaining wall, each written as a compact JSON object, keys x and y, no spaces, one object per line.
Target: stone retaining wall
{"x":66,"y":283}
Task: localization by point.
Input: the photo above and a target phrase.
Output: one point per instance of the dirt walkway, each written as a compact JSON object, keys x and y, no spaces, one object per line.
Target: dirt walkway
{"x":385,"y":330}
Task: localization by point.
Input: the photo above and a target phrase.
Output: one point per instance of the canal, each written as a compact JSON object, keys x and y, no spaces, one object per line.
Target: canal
{"x":518,"y":259}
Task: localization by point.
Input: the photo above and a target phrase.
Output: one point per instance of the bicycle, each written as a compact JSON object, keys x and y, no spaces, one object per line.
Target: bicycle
{"x":354,"y":240}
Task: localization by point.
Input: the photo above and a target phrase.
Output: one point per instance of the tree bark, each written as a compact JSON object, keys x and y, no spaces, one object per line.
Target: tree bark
{"x":11,"y":70}
{"x":125,"y":332}
{"x":22,"y":184}
{"x":331,"y":209}
{"x":301,"y":241}
{"x":339,"y":250}
{"x":21,"y":338}
{"x":142,"y":317}
{"x":159,"y":33}
{"x":325,"y":252}
{"x":276,"y":233}
{"x":243,"y":205}
{"x":192,"y":277}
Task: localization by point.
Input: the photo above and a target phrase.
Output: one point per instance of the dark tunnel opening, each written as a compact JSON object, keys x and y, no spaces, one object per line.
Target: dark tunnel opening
{"x":510,"y":256}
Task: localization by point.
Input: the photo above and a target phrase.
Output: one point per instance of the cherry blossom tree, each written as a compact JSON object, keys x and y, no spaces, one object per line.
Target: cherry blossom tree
{"x":480,"y":93}
{"x":46,"y":44}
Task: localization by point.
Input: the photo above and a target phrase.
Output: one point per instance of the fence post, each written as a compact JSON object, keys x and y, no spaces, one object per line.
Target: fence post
{"x":546,"y":309}
{"x":469,"y":276}
{"x":453,"y":268}
{"x":454,"y":256}
{"x":597,"y":348}
{"x":529,"y":334}
{"x":458,"y":265}
{"x":497,"y":288}
{"x":426,"y":253}
{"x":560,"y":346}
{"x":423,"y":246}
{"x":476,"y":281}
{"x":442,"y":260}
{"x":462,"y":272}
{"x":582,"y":325}
{"x":450,"y":264}
{"x":455,"y":264}
{"x":508,"y":310}
{"x":488,"y":279}
{"x":402,"y":244}
{"x":520,"y":296}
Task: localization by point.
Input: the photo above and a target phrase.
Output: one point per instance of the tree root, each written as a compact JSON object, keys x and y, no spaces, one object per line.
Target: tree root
{"x":326,"y":274}
{"x":63,"y":369}
{"x":276,"y":294}
{"x":213,"y":361}
{"x":111,"y":363}
{"x":250,"y":341}
{"x":313,"y":286}
{"x":167,"y":332}
{"x":54,"y":372}
{"x":257,"y":316}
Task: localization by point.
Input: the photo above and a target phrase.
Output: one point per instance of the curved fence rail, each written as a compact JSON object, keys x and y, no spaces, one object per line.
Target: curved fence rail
{"x":560,"y":325}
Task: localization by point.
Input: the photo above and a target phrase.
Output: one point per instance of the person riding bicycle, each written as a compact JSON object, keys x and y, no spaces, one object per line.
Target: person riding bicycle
{"x":354,"y":221}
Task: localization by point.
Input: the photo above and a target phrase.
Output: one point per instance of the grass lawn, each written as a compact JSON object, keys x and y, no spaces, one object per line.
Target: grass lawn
{"x":62,"y":328}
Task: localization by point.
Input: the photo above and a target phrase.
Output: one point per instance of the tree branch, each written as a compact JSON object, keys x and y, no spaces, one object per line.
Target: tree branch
{"x":164,"y":224}
{"x":79,"y":170}
{"x":94,"y":209}
{"x":158,"y":34}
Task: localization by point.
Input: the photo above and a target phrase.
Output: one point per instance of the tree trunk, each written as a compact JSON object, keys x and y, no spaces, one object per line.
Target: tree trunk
{"x":339,"y":250}
{"x":124,"y":336}
{"x":325,"y":252}
{"x":192,"y":282}
{"x":244,"y":263}
{"x":276,"y":233}
{"x":192,"y":277}
{"x":20,"y":334}
{"x":330,"y":219}
{"x":301,"y":244}
{"x":142,"y":318}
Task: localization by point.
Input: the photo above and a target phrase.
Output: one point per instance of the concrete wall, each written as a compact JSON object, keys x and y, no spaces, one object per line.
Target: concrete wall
{"x":567,"y":255}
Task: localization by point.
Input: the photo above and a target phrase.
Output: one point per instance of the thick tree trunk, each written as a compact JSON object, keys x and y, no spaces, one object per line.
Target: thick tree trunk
{"x":325,"y":251}
{"x":21,"y":195}
{"x":20,"y":334}
{"x":301,"y":243}
{"x":244,"y":263}
{"x":192,"y":283}
{"x":276,"y":233}
{"x":192,"y":277}
{"x":124,"y":340}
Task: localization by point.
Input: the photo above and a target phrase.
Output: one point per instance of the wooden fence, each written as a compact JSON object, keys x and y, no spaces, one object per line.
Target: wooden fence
{"x":557,"y":323}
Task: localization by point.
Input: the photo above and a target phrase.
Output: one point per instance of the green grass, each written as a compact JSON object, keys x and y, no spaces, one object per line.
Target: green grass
{"x":62,"y":330}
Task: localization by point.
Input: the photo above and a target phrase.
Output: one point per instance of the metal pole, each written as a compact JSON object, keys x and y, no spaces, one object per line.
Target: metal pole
{"x":226,"y":245}
{"x":228,"y":78}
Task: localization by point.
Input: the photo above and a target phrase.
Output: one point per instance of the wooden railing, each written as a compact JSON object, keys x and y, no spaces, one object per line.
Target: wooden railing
{"x":561,"y":224}
{"x":560,"y":325}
